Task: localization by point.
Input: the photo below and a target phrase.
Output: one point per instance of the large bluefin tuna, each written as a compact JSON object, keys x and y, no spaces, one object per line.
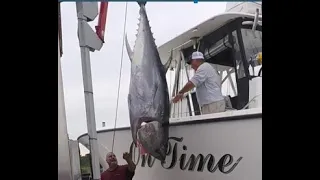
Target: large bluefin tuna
{"x":148,"y":99}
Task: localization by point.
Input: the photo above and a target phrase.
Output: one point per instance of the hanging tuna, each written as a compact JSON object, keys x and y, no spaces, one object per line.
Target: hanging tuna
{"x":148,"y":99}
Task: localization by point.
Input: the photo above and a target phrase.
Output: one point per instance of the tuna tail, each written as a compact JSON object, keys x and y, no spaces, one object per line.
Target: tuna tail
{"x":142,"y":3}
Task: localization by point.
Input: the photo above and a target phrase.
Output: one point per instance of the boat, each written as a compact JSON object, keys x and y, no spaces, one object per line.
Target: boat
{"x":226,"y":145}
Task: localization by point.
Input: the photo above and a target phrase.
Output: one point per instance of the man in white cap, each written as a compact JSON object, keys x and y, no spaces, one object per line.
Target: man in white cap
{"x":207,"y":83}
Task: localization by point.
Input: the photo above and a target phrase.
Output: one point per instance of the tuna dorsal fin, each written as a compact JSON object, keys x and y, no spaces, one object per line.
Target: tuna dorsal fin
{"x":168,"y":63}
{"x":129,"y":50}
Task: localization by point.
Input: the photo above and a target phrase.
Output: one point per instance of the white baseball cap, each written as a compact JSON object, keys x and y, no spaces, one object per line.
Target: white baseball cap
{"x":197,"y":55}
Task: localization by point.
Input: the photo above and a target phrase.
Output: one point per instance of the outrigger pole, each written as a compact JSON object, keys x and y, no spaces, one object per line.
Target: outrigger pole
{"x":90,"y":41}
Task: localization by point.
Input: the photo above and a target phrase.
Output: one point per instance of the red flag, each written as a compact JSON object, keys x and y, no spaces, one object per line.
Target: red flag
{"x":100,"y":28}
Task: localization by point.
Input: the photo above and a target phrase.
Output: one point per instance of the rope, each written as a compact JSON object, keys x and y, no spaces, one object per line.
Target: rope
{"x":120,"y":72}
{"x":170,"y":76}
{"x":251,"y":101}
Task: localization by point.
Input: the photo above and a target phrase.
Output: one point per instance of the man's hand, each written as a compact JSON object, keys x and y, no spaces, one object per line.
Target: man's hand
{"x":131,"y":166}
{"x":126,"y":156}
{"x":185,"y":89}
{"x":177,"y":98}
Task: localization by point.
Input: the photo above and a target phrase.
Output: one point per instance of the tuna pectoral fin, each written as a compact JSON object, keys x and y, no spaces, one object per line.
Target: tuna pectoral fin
{"x":129,"y":50}
{"x":168,"y":63}
{"x":143,"y":151}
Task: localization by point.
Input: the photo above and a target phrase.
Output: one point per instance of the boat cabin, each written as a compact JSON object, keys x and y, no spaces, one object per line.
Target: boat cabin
{"x":232,"y":43}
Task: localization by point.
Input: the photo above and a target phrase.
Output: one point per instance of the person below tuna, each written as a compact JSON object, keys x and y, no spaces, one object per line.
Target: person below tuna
{"x":119,"y":172}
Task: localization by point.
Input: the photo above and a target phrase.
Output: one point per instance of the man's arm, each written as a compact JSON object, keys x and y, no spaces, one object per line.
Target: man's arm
{"x":129,"y":174}
{"x":130,"y":169}
{"x":199,"y":77}
{"x":187,"y":87}
{"x":131,"y":165}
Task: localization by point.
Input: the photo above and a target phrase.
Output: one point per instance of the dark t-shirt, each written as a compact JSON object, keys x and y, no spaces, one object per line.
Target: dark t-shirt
{"x":120,"y":173}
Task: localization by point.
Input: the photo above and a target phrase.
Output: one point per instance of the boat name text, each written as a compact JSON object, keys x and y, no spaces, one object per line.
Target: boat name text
{"x":224,"y":164}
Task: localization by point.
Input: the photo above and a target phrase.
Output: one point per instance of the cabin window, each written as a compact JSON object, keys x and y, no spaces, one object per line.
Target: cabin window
{"x":252,"y":41}
{"x":241,"y":65}
{"x":237,"y":57}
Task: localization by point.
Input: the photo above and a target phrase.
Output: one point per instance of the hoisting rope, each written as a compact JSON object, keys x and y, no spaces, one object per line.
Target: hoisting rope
{"x":120,"y":72}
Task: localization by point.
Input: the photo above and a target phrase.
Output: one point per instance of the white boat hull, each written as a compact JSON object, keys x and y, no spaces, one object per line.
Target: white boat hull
{"x":229,"y":143}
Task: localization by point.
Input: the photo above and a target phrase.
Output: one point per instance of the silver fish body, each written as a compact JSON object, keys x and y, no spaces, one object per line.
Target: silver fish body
{"x":148,"y":98}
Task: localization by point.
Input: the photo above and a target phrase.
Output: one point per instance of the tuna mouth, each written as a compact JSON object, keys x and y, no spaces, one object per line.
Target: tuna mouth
{"x":146,"y":120}
{"x":149,"y":137}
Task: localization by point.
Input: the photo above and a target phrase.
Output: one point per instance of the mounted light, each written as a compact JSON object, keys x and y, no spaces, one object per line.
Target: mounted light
{"x":194,"y":40}
{"x":194,"y":30}
{"x":259,"y":58}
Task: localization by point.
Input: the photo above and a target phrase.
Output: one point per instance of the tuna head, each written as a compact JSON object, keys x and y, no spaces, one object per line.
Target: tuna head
{"x":148,"y":98}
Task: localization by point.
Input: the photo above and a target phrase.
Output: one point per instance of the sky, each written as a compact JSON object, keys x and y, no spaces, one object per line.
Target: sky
{"x":167,"y":20}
